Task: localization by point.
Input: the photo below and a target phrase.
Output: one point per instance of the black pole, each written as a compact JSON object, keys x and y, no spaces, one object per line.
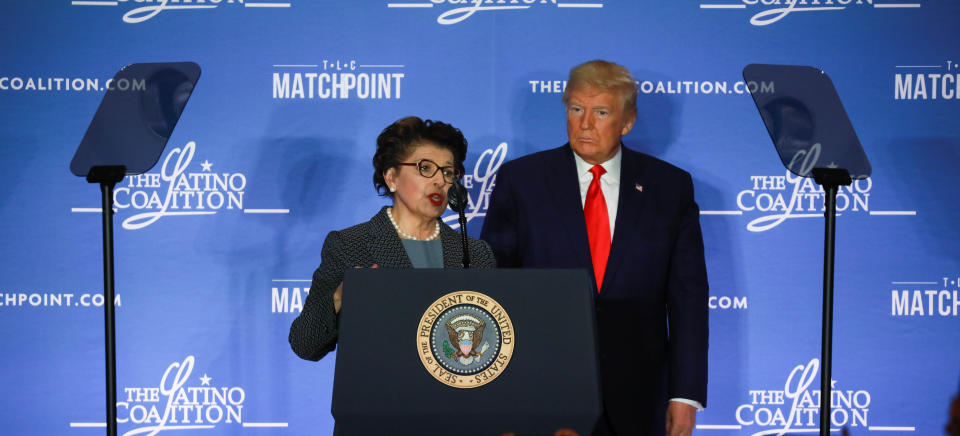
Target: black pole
{"x":109,"y":320}
{"x":826,"y":346}
{"x":830,"y":179}
{"x":108,"y":177}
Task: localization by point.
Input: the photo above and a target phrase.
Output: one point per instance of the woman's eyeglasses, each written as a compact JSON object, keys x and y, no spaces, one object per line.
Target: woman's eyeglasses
{"x":429,"y":168}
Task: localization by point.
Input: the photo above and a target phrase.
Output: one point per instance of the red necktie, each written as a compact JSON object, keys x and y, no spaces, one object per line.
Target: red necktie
{"x":598,"y":225}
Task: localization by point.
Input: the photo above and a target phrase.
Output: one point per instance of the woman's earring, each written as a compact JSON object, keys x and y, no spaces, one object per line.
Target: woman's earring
{"x":392,"y":189}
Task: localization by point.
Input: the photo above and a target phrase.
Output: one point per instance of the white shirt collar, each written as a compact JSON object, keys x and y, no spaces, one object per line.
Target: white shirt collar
{"x":612,"y":166}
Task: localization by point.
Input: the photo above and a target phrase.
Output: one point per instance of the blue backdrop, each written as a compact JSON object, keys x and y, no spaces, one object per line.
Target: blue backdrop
{"x":284,"y":119}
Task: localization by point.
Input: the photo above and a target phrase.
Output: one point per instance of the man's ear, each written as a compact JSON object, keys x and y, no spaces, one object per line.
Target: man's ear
{"x":628,"y":125}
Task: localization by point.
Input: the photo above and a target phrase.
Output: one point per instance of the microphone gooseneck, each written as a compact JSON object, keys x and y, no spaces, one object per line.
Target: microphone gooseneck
{"x":457,"y":198}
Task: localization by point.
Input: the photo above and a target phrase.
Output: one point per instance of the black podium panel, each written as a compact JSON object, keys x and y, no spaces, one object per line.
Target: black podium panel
{"x":551,"y":382}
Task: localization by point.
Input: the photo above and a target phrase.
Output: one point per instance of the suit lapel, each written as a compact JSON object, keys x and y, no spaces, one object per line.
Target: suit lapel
{"x":451,"y":242}
{"x":384,"y":245}
{"x":568,"y":205}
{"x":629,"y":207}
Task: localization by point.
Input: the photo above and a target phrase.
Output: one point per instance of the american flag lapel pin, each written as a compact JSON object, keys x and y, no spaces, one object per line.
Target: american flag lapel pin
{"x":639,"y":187}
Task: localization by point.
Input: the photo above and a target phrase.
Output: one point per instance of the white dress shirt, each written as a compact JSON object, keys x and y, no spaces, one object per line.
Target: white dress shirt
{"x":610,"y":186}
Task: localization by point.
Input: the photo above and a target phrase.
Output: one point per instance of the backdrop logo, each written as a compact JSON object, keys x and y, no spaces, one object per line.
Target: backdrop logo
{"x":803,"y":195}
{"x":771,"y":11}
{"x":795,"y":408}
{"x":926,"y":299}
{"x":684,"y":87}
{"x":176,"y":192}
{"x":335,"y":79}
{"x":921,"y":82}
{"x":480,"y":184}
{"x":54,"y":299}
{"x":178,"y":402}
{"x":724,"y":302}
{"x":780,"y":198}
{"x":288,"y":298}
{"x":152,"y":8}
{"x":459,"y":10}
{"x":69,"y":84}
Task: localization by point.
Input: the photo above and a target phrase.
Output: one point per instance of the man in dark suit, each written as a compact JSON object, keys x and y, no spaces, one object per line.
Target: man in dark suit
{"x":631,"y":220}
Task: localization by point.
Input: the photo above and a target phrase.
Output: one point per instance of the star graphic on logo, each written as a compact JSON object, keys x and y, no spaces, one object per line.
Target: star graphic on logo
{"x":205,"y":381}
{"x":206,"y":165}
{"x":831,"y":165}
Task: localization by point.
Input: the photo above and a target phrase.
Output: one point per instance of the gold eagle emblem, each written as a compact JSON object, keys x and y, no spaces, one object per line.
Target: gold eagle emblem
{"x":465,"y":332}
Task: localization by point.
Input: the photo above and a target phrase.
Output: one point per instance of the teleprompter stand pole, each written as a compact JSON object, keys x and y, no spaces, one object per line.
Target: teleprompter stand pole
{"x":831,"y":179}
{"x":127,"y":136}
{"x":108,"y":177}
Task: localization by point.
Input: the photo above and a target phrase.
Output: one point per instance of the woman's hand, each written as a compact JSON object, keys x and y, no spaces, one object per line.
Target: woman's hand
{"x":338,"y":294}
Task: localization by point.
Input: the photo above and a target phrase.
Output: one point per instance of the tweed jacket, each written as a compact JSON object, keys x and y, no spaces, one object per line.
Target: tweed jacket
{"x":313,"y":333}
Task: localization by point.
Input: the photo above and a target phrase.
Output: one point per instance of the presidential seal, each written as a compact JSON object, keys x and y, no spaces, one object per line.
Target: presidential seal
{"x":465,"y":339}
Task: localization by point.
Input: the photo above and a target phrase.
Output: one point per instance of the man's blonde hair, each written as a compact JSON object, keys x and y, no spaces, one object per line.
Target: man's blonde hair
{"x":605,"y":76}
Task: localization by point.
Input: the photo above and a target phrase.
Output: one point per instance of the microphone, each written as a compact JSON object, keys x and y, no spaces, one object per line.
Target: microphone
{"x":457,"y":199}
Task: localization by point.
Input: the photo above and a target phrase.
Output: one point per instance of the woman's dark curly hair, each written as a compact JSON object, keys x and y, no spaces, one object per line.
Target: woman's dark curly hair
{"x":399,"y":139}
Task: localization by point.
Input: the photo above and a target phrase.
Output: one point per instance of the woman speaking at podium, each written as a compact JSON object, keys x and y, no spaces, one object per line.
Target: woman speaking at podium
{"x":415,"y":163}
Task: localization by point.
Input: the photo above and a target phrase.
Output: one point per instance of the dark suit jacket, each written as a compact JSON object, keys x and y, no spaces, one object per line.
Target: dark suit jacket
{"x":655,"y":281}
{"x":313,"y":334}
